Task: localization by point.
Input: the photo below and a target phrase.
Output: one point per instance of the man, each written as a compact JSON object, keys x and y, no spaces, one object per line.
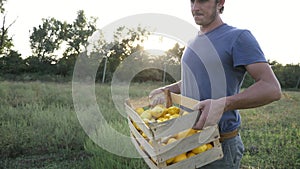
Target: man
{"x":213,"y":68}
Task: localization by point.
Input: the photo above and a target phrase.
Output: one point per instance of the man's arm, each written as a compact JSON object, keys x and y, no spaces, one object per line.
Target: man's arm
{"x":266,"y":89}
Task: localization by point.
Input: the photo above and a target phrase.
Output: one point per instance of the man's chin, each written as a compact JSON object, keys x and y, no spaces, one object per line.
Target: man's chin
{"x":198,"y":23}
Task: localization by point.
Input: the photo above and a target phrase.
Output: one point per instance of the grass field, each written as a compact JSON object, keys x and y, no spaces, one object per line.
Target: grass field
{"x":39,"y":129}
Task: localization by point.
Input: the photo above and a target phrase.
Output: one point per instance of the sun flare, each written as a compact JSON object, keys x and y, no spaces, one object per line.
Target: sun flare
{"x":157,"y":42}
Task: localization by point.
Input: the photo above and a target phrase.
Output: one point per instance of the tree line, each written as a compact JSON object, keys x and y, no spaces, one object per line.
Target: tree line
{"x":57,"y":45}
{"x":288,"y":75}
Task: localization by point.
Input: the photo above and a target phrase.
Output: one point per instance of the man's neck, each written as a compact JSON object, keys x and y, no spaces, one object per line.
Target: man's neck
{"x":207,"y":28}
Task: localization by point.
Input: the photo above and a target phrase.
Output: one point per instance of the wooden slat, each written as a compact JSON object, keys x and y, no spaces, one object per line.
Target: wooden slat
{"x":199,"y":160}
{"x":184,"y":101}
{"x":137,"y":119}
{"x":146,"y":158}
{"x":209,"y":156}
{"x":168,"y":98}
{"x":173,"y":126}
{"x":141,"y":140}
{"x":187,"y":144}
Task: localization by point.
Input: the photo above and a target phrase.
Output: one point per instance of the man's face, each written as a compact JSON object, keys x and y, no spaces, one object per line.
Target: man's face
{"x":204,"y":11}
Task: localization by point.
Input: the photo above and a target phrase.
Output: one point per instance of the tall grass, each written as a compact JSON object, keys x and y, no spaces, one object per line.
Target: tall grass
{"x":39,"y":129}
{"x":37,"y":120}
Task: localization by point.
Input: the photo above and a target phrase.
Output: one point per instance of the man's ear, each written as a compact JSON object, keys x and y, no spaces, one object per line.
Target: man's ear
{"x":221,"y":3}
{"x":219,"y":7}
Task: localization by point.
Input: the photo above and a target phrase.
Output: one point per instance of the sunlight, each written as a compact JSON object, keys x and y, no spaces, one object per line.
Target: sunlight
{"x":158,"y":42}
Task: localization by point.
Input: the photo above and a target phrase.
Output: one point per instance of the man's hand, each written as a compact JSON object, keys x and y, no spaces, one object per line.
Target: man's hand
{"x":157,"y":96}
{"x":211,"y":112}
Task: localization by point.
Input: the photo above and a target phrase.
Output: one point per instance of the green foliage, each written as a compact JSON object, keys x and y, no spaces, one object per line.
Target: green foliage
{"x":6,"y":42}
{"x":65,"y":65}
{"x":12,"y":63}
{"x":288,"y":75}
{"x":2,"y":9}
{"x":175,"y":54}
{"x":46,"y":39}
{"x":77,"y":34}
{"x":122,"y":47}
{"x":35,"y":65}
{"x":146,"y":66}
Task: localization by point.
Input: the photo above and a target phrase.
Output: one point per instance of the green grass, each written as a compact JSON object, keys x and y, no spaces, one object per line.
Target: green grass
{"x":39,"y":129}
{"x":271,"y":134}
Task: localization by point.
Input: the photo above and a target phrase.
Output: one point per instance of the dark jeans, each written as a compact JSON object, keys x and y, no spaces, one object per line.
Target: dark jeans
{"x":233,"y":150}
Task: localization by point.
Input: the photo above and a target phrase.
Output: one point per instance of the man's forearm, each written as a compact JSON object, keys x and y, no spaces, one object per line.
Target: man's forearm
{"x":259,"y":94}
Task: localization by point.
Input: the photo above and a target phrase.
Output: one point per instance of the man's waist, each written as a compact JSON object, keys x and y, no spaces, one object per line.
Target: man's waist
{"x":228,"y":135}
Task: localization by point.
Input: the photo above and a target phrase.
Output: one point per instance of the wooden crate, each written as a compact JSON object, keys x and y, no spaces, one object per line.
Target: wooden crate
{"x":156,"y":154}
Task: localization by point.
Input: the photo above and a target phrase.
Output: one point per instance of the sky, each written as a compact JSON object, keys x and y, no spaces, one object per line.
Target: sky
{"x":273,"y":23}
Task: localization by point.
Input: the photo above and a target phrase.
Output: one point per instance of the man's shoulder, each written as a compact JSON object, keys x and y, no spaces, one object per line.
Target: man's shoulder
{"x":231,"y":33}
{"x":232,"y":29}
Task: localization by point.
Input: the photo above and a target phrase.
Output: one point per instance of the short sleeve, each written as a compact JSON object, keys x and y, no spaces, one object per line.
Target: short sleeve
{"x":246,"y":50}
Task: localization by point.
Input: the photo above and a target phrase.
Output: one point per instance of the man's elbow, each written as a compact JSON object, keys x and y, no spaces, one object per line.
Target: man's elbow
{"x":276,"y":93}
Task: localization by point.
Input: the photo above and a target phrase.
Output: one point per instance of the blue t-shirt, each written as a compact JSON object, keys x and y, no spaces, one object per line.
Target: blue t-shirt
{"x":213,"y":67}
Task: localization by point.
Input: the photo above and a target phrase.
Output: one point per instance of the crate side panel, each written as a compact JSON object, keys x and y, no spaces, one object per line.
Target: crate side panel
{"x":199,"y":160}
{"x":137,"y":119}
{"x":141,"y":140}
{"x":174,"y":126}
{"x":146,"y":158}
{"x":184,"y":145}
{"x":209,"y":156}
{"x":188,"y":143}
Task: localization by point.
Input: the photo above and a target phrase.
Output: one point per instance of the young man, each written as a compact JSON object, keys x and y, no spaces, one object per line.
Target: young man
{"x":213,"y":68}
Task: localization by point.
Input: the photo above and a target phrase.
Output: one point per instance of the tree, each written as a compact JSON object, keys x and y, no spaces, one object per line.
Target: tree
{"x":174,"y":54}
{"x":76,"y":36}
{"x":78,"y":32}
{"x":12,"y":63}
{"x":46,"y":39}
{"x":5,"y":41}
{"x":171,"y":62}
{"x":65,"y":65}
{"x":2,"y":9}
{"x":125,"y":43}
{"x":288,"y":75}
